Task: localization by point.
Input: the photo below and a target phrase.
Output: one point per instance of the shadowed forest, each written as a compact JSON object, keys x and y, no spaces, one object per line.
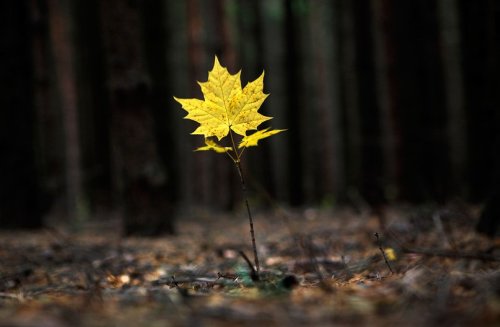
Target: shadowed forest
{"x":371,"y":208}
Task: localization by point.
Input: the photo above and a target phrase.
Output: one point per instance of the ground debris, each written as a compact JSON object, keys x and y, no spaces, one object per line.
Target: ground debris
{"x":318,"y":270}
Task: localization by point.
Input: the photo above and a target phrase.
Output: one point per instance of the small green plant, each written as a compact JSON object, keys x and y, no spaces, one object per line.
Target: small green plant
{"x":230,"y":110}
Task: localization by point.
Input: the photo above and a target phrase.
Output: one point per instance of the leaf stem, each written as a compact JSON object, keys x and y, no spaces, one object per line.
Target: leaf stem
{"x":235,"y":149}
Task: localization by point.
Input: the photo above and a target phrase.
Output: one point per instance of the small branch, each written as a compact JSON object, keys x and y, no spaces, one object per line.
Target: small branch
{"x":452,"y":254}
{"x":383,"y":252}
{"x":232,"y":277}
{"x":182,"y":291}
{"x":209,"y":280}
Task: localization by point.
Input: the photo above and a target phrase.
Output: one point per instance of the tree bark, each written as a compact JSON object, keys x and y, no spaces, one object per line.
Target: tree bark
{"x":62,"y":37}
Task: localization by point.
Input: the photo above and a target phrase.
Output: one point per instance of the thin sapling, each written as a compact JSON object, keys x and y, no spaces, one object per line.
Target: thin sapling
{"x":230,"y":110}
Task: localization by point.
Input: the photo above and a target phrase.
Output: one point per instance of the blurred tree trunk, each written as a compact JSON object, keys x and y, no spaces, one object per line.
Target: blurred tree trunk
{"x":449,"y":24}
{"x":93,"y":105}
{"x":387,"y":95}
{"x":329,"y":159}
{"x":178,"y":66}
{"x":294,"y":87}
{"x":156,"y":43}
{"x":481,"y":52}
{"x":49,"y":130}
{"x":272,"y":16}
{"x":305,"y":120}
{"x":61,"y":20}
{"x":199,"y":176}
{"x":424,"y":148}
{"x":139,"y":173}
{"x":351,"y":98}
{"x":372,"y":177}
{"x":19,"y":187}
{"x":480,"y":49}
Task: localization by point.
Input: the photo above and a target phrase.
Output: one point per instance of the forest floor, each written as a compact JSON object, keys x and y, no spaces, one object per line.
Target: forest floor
{"x":318,"y":267}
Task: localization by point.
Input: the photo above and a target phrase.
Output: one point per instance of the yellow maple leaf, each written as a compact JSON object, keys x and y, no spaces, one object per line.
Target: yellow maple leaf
{"x":253,"y":139}
{"x":212,"y":145}
{"x":226,"y":105}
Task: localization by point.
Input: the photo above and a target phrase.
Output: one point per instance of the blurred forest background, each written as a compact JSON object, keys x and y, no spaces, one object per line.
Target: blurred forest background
{"x":385,"y":101}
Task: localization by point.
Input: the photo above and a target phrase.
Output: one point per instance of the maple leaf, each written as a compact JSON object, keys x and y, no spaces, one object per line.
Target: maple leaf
{"x":226,"y":106}
{"x":253,"y":139}
{"x":212,"y":145}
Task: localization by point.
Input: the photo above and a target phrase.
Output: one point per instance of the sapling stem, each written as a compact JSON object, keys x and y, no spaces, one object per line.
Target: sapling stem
{"x":237,"y":163}
{"x":250,"y":219}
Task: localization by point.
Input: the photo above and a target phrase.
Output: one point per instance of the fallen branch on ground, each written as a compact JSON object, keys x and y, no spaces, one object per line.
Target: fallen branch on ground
{"x":451,"y":254}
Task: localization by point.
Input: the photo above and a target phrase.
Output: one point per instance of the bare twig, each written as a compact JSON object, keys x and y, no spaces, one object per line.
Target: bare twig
{"x":182,"y":291}
{"x":451,"y":254}
{"x":383,"y":252}
{"x":230,"y":276}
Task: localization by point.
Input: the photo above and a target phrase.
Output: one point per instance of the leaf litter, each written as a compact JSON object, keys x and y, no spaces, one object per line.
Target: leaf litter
{"x":320,"y":267}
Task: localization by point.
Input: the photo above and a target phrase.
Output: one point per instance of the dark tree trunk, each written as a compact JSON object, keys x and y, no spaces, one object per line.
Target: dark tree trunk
{"x":139,"y":173}
{"x":328,"y":163}
{"x":481,"y":50}
{"x":63,"y":51}
{"x":19,"y":197}
{"x":294,"y":110}
{"x":49,"y":130}
{"x":387,"y":95}
{"x":450,"y":42}
{"x":350,"y":98}
{"x":274,"y":53}
{"x":482,"y":70}
{"x":156,"y":43}
{"x":372,"y":182}
{"x":93,"y":105}
{"x":424,"y":151}
{"x":199,"y":177}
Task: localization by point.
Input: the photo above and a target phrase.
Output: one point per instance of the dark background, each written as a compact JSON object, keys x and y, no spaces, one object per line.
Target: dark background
{"x":385,"y":101}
